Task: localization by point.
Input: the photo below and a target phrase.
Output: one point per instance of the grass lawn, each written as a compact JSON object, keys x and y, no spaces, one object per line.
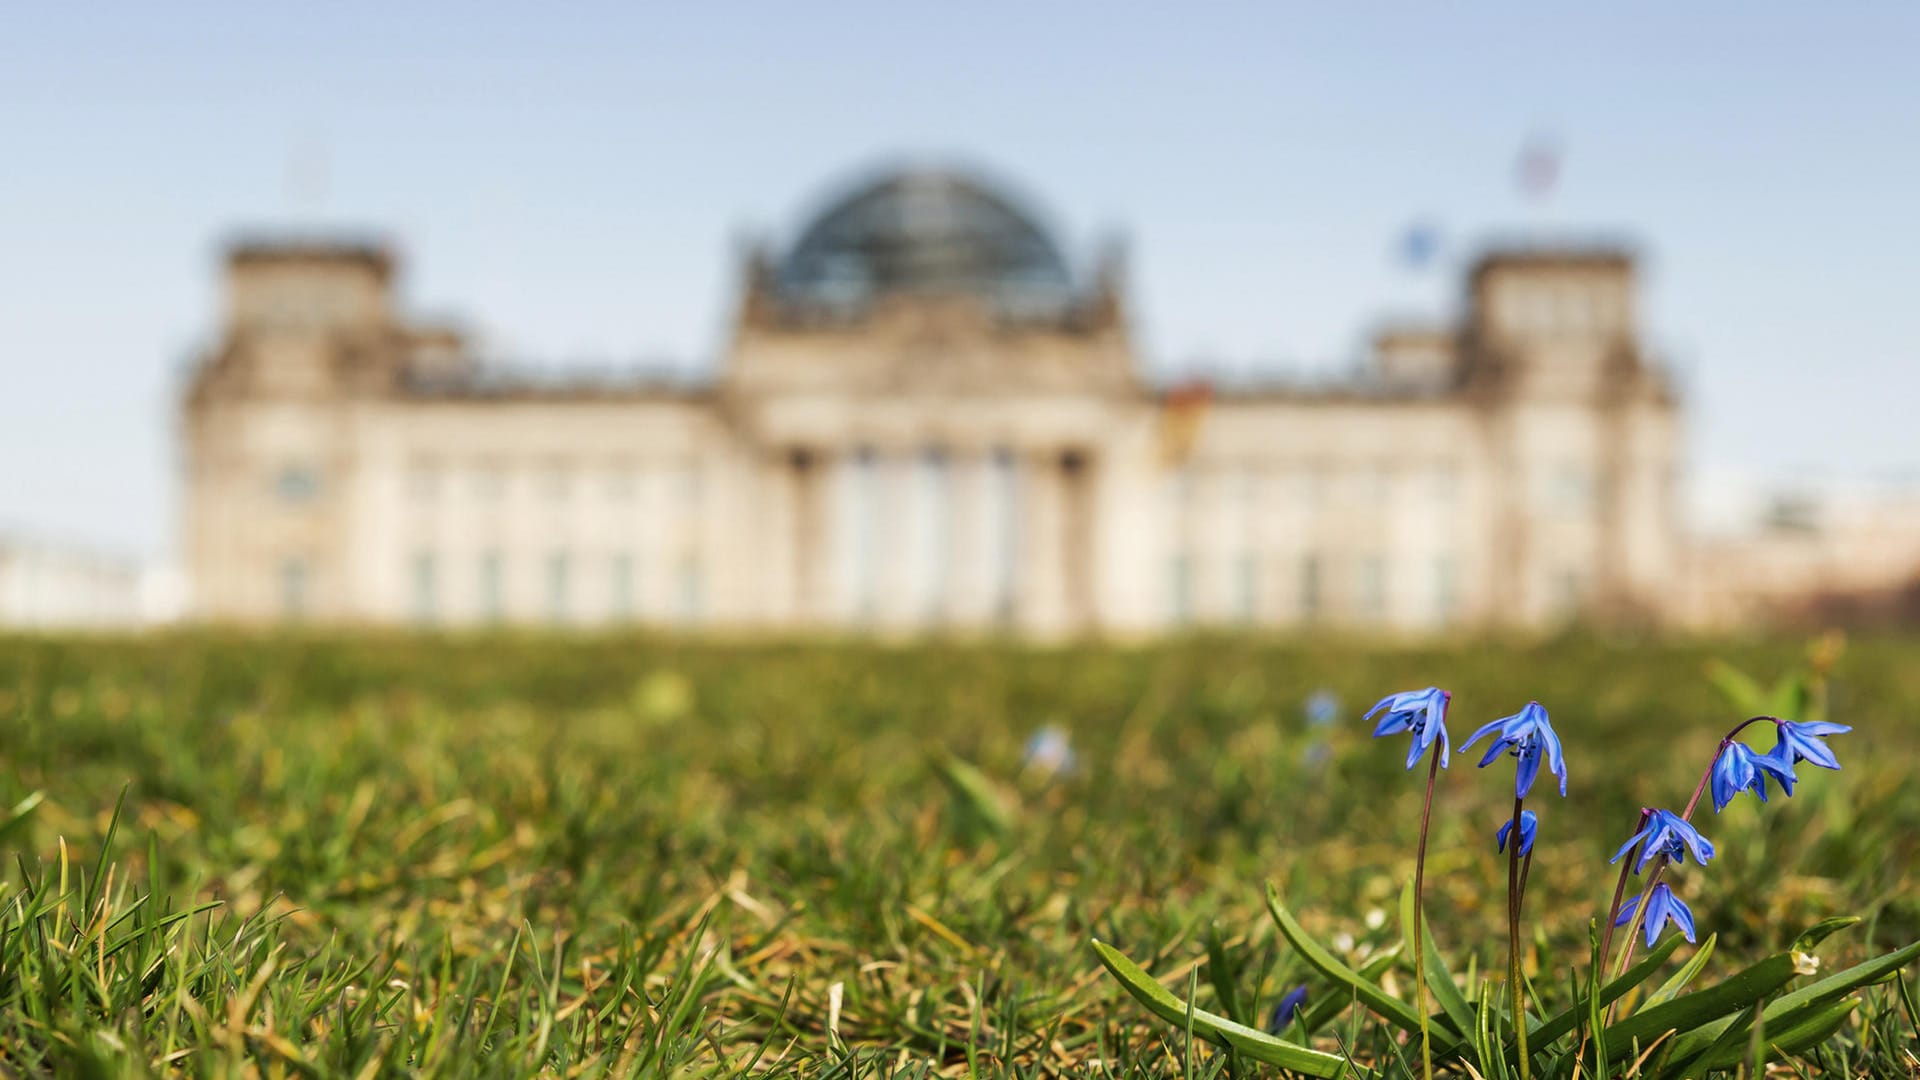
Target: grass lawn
{"x":617,"y":855}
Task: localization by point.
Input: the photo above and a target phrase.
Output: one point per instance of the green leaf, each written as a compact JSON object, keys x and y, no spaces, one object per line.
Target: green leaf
{"x":1567,"y":1019}
{"x":1388,"y":1007}
{"x":974,"y":795}
{"x":1790,"y":697}
{"x":1842,"y":982}
{"x":21,"y":811}
{"x":1329,"y":1006}
{"x":1808,"y":1028}
{"x":1812,"y":936}
{"x":1452,"y":1002}
{"x":1737,"y":687}
{"x":1688,"y":972}
{"x":1684,"y":1014}
{"x":1222,"y":973}
{"x":1218,"y":1030}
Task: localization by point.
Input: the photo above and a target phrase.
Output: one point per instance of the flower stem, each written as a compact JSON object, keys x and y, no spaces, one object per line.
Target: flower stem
{"x":1516,"y":988}
{"x":1619,"y":893}
{"x":1660,"y":865}
{"x":1419,"y":920}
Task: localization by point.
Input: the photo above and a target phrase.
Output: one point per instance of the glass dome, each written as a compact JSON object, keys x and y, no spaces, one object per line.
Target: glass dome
{"x":928,"y":232}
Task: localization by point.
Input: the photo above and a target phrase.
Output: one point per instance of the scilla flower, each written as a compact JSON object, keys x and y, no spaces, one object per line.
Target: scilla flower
{"x":1662,"y":907}
{"x":1739,"y":769}
{"x":1529,"y":824}
{"x":1295,"y":1001}
{"x":1666,"y":833}
{"x":1801,"y":742}
{"x":1049,"y":752}
{"x":1421,"y":712}
{"x":1528,"y":736}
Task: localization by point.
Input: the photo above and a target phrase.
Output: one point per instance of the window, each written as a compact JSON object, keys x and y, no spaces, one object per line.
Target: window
{"x":620,"y":586}
{"x":556,"y":484}
{"x":621,"y":482}
{"x":293,"y":588}
{"x":425,"y":588}
{"x":1569,"y":591}
{"x":1446,"y":483}
{"x":1311,"y":600}
{"x":1183,"y":491}
{"x":296,"y":484}
{"x":1003,"y":524}
{"x":1180,"y":588}
{"x":692,"y":484}
{"x":931,"y":527}
{"x":1373,"y":587}
{"x":489,"y":481}
{"x":492,"y":586}
{"x":1446,"y":588}
{"x":857,"y":530}
{"x":1246,"y":587}
{"x":558,"y":571}
{"x":1373,"y":483}
{"x":1571,"y":488}
{"x":423,"y":480}
{"x":692,"y":589}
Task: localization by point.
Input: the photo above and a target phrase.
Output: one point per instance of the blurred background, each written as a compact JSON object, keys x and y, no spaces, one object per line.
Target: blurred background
{"x":984,"y":318}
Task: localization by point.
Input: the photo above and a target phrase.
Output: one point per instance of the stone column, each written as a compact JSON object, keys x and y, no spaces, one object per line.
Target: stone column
{"x":1041,"y":573}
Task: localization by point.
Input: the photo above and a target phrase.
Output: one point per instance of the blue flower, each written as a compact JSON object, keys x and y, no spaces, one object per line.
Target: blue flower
{"x":1322,"y":708}
{"x":1529,"y":824}
{"x":1422,"y":712}
{"x":1528,"y":736}
{"x":1295,"y":1001}
{"x":1662,"y":907}
{"x":1666,"y":833}
{"x":1049,"y":752}
{"x":1801,"y":742}
{"x":1739,"y":769}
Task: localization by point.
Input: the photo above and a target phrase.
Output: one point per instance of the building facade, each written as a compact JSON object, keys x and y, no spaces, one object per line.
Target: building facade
{"x":927,"y":417}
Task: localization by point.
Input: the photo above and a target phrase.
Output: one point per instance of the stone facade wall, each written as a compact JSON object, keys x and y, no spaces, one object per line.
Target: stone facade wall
{"x":928,"y":464}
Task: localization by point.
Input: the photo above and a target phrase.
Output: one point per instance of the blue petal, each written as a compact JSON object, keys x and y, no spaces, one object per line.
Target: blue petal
{"x":1627,"y":910}
{"x":1525,"y":772}
{"x":1484,"y":729}
{"x":1624,"y":849}
{"x":1394,"y":721}
{"x":1680,"y":914}
{"x":1494,"y":751}
{"x":1631,"y":841}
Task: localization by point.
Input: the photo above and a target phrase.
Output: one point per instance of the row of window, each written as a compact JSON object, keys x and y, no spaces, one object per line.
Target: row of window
{"x":570,"y":588}
{"x":1567,"y":486}
{"x":1366,"y":595}
{"x":1363,"y":595}
{"x":426,"y":482}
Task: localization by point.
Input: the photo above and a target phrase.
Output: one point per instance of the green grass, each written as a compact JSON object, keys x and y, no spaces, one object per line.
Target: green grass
{"x":614,"y":856}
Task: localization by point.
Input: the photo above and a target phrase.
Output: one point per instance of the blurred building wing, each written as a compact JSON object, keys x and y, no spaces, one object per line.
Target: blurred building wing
{"x":924,"y":417}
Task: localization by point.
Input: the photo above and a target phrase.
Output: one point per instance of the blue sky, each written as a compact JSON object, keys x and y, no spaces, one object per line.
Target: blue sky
{"x":575,"y":186}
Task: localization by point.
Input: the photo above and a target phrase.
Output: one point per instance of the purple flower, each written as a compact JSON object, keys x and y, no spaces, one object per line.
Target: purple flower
{"x":1529,"y":824}
{"x":1666,"y":833}
{"x":1529,"y":737}
{"x":1421,"y":712}
{"x":1283,"y":1013}
{"x":1801,"y":742}
{"x":1739,"y":769}
{"x":1662,"y":907}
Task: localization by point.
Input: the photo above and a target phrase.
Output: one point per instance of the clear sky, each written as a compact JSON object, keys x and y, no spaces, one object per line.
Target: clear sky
{"x":574,"y":184}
